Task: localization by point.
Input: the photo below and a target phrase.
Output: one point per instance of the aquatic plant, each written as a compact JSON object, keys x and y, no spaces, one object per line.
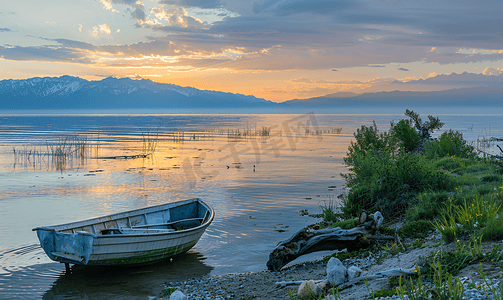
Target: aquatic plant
{"x":57,"y":154}
{"x":149,"y":142}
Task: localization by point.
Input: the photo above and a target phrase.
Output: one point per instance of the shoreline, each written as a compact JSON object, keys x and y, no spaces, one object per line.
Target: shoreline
{"x":262,"y":285}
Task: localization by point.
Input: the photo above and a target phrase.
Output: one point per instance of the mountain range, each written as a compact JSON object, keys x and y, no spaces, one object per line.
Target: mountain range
{"x":482,"y":96}
{"x":68,"y":92}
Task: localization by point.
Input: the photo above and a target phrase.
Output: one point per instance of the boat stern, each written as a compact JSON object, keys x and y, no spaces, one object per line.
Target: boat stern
{"x":74,"y":248}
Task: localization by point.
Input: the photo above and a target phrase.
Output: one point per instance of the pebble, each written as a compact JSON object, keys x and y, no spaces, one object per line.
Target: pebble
{"x":224,"y":287}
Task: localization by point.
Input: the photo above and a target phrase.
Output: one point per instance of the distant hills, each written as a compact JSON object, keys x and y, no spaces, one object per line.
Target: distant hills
{"x":67,"y":92}
{"x":486,"y":96}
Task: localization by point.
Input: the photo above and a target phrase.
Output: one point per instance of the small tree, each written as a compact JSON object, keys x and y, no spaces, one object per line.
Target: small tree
{"x":424,"y":129}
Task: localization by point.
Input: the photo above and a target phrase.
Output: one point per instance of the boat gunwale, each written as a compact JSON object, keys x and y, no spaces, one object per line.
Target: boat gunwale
{"x":134,"y":212}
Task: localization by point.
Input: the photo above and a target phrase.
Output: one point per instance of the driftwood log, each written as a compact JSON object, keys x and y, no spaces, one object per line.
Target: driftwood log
{"x":309,"y":240}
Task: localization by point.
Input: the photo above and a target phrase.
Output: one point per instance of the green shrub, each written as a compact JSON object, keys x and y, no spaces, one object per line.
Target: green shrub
{"x":169,"y":291}
{"x":383,"y":293}
{"x":415,"y":229}
{"x":490,"y":178}
{"x":384,"y":174}
{"x":493,"y":230}
{"x":347,"y":224}
{"x":388,"y":183}
{"x":450,"y":143}
{"x":406,"y":136}
{"x":428,"y":205}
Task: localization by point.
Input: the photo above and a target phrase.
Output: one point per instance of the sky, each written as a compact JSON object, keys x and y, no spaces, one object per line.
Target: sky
{"x":273,"y":49}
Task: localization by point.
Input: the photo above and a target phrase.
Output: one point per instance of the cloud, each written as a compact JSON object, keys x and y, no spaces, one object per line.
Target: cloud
{"x":80,"y":27}
{"x":107,"y":4}
{"x":304,"y":35}
{"x":105,"y":28}
{"x":159,"y":48}
{"x":4,"y":29}
{"x":76,"y":45}
{"x":44,"y":53}
{"x":403,"y":69}
{"x":176,"y":17}
{"x":301,"y":80}
{"x":137,"y":10}
{"x":194,"y":3}
{"x":291,"y":7}
{"x":492,"y":71}
{"x":305,"y":80}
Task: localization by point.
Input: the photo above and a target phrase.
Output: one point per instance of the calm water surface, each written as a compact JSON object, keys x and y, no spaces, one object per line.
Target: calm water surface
{"x":256,"y":171}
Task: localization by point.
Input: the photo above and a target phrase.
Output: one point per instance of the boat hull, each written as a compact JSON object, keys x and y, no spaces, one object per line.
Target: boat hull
{"x":128,"y":245}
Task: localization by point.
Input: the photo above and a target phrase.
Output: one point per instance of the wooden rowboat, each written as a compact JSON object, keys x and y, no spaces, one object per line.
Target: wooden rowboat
{"x":135,"y":237}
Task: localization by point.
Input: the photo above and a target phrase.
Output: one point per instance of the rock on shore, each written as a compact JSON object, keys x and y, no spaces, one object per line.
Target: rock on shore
{"x":261,"y":285}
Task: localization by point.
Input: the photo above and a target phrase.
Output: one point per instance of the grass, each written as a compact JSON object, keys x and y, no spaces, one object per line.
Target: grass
{"x":169,"y":291}
{"x":58,"y":155}
{"x":149,"y":141}
{"x":330,"y":211}
{"x":442,"y":268}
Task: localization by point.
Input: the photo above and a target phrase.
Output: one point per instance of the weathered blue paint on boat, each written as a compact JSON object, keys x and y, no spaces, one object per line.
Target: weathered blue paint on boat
{"x":134,"y":237}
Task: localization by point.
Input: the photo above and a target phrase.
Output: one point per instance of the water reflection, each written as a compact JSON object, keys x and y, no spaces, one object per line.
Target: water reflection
{"x":50,"y":281}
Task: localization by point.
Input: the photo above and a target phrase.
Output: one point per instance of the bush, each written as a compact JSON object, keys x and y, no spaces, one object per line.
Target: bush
{"x":450,"y":143}
{"x":368,"y":142}
{"x":385,"y":173}
{"x":415,"y":229}
{"x":347,"y":224}
{"x":386,"y":182}
{"x":494,"y":229}
{"x":428,"y":205}
{"x":406,"y":136}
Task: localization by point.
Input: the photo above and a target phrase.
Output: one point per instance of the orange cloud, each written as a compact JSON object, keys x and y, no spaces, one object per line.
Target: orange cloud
{"x":105,"y":28}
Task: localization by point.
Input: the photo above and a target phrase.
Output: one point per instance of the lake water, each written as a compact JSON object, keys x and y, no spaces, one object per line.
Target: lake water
{"x":256,"y":171}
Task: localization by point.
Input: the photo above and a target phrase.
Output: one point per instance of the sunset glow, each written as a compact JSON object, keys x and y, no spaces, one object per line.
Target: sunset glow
{"x":277,"y":50}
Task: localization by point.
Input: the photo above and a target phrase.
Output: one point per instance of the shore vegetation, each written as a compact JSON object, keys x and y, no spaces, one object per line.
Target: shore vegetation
{"x":424,"y":184}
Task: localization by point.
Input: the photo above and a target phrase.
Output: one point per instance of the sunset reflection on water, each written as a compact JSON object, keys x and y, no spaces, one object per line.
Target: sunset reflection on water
{"x":256,"y":181}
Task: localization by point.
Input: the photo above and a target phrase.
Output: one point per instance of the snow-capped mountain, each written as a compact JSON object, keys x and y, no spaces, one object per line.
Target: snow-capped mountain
{"x":67,"y":92}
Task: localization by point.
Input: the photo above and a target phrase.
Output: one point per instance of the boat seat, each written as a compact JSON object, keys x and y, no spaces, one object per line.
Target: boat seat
{"x":114,"y":231}
{"x":200,"y":220}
